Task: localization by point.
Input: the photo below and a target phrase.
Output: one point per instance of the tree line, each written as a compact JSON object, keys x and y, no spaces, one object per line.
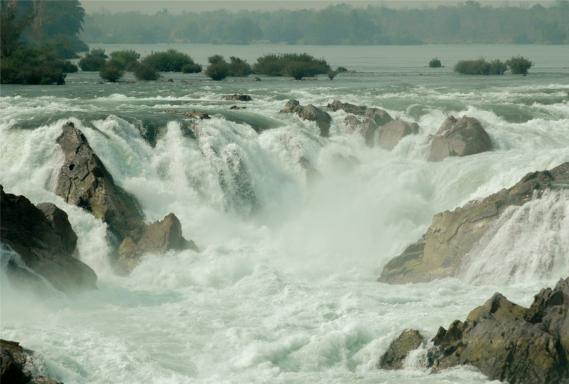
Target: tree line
{"x":340,"y":24}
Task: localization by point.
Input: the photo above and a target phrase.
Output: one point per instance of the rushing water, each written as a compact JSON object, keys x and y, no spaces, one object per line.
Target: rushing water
{"x":284,"y":289}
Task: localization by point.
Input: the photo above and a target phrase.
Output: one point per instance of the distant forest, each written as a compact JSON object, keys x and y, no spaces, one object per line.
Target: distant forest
{"x":339,"y":24}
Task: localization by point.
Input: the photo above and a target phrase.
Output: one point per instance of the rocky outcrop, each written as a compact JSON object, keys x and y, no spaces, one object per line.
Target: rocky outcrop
{"x":452,"y":234}
{"x":237,"y":97}
{"x":508,"y":342}
{"x":84,"y":181}
{"x":16,"y":365}
{"x":395,"y":356}
{"x":310,"y":113}
{"x":45,"y":242}
{"x":367,"y":128}
{"x":459,"y":137}
{"x":394,"y":131}
{"x":379,"y":116}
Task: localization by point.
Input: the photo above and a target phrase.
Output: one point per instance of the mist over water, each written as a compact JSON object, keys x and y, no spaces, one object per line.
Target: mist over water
{"x":284,"y":288}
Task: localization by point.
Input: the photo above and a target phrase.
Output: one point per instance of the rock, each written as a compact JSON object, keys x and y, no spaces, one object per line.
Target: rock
{"x":459,"y":137}
{"x":197,"y":115}
{"x":379,"y":116}
{"x":85,"y":182}
{"x":441,"y":251}
{"x":310,"y":113}
{"x":16,"y":365}
{"x":45,"y":242}
{"x":395,"y":356}
{"x":392,"y":132}
{"x":366,"y":128}
{"x":238,"y":97}
{"x":236,"y":107}
{"x":508,"y":342}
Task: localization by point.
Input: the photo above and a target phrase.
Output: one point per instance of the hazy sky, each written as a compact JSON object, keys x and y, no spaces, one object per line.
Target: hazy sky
{"x":151,"y":6}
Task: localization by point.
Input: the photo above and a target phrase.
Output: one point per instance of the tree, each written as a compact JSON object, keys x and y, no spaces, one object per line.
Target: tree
{"x":218,"y":68}
{"x":435,"y":63}
{"x":169,"y":61}
{"x":519,"y":65}
{"x":126,"y":59}
{"x":93,"y":60}
{"x":111,"y":71}
{"x":145,"y":72}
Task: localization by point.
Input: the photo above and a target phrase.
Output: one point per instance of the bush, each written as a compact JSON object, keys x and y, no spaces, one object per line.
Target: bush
{"x":145,"y":72}
{"x":111,"y":71}
{"x":192,"y":68}
{"x":497,"y":67}
{"x":519,"y":65}
{"x":93,"y":60}
{"x":341,"y":69}
{"x":435,"y":63}
{"x":480,"y":67}
{"x":32,"y":66}
{"x":332,"y":74}
{"x":169,"y":61}
{"x":127,"y":59}
{"x":239,"y":67}
{"x":291,"y":64}
{"x":69,"y":67}
{"x":217,"y":71}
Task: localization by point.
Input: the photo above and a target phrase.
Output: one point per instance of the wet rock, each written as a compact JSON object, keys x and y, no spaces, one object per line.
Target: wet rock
{"x":310,"y":113}
{"x":16,"y":365}
{"x":508,"y":342}
{"x":236,"y":107}
{"x":395,"y":356}
{"x":237,"y":97}
{"x":394,"y":131}
{"x":84,"y":181}
{"x":367,"y":128}
{"x":379,"y":116}
{"x":45,"y":243}
{"x":452,"y":234}
{"x":459,"y":137}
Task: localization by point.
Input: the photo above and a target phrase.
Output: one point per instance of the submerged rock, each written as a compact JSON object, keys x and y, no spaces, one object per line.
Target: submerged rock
{"x":84,"y":181}
{"x":394,"y":131}
{"x":16,"y":365}
{"x":310,"y":113}
{"x":395,"y":356}
{"x":508,"y":342}
{"x":379,"y":116}
{"x":459,"y":137}
{"x":237,"y":97}
{"x":43,"y":238}
{"x":452,"y":234}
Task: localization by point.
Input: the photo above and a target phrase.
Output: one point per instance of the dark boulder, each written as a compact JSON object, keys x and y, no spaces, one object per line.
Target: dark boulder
{"x":237,"y":97}
{"x":395,"y":356}
{"x":459,"y":137}
{"x":84,"y":181}
{"x":16,"y":363}
{"x":440,"y":252}
{"x":508,"y":342}
{"x":310,"y":113}
{"x":45,"y":242}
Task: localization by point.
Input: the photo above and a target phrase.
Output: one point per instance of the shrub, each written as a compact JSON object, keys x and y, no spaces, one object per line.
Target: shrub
{"x":192,"y":68}
{"x":341,"y":69}
{"x":239,"y":67}
{"x":169,"y":61}
{"x":332,"y":74}
{"x":216,"y":59}
{"x":93,"y":60}
{"x":480,"y":67}
{"x":291,"y":64}
{"x":111,"y":71}
{"x":519,"y":65}
{"x":145,"y":72}
{"x":217,"y":71}
{"x":69,"y":67}
{"x":497,"y":67}
{"x":127,"y":59}
{"x":32,"y":66}
{"x":435,"y":63}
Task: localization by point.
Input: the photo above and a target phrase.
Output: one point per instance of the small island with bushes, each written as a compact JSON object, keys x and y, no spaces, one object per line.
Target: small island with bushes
{"x":517,"y":66}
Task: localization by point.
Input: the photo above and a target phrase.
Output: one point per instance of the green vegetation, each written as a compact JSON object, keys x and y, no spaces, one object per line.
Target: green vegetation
{"x":435,"y":63}
{"x":192,"y":68}
{"x":35,"y":37}
{"x":467,"y":22}
{"x":239,"y":67}
{"x":145,"y":72}
{"x":93,"y":61}
{"x":111,"y":71}
{"x":291,"y":64}
{"x":218,"y":68}
{"x":127,"y":59}
{"x":480,"y":67}
{"x":170,"y":61}
{"x":519,"y":65}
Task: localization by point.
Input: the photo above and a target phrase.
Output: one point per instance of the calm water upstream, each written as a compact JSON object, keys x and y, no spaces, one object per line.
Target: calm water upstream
{"x":284,"y":289}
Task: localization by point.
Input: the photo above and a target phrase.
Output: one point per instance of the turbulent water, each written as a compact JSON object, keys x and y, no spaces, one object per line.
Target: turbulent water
{"x":284,"y":289}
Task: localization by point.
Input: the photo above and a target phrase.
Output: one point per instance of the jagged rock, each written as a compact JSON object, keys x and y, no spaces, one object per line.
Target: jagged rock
{"x":459,"y":137}
{"x":508,"y":342}
{"x":84,"y":181}
{"x":392,"y":132}
{"x":310,"y":113}
{"x":366,"y":128}
{"x":45,"y":242}
{"x":395,"y":356}
{"x":452,"y":234}
{"x":379,"y":116}
{"x":16,"y":363}
{"x":238,"y":97}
